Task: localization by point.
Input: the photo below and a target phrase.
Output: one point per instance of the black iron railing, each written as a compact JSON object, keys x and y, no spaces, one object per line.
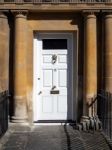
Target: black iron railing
{"x":104,"y":110}
{"x":55,"y":1}
{"x":3,"y":112}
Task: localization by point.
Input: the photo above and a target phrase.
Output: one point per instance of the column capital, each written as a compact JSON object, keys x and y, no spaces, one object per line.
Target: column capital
{"x":20,"y":13}
{"x":2,"y":15}
{"x":89,"y":14}
{"x":108,"y":15}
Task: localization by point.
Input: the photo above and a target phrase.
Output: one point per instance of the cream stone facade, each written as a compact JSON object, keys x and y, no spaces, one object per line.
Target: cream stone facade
{"x":91,"y":26}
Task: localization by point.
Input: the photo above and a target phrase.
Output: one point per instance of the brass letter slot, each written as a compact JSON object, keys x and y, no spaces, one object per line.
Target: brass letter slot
{"x":54,"y":92}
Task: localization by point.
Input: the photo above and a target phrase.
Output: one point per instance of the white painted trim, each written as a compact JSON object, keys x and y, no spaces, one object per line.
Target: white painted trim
{"x":69,"y":37}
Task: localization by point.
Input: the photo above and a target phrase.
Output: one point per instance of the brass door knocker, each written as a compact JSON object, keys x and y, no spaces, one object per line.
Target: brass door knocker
{"x":54,"y":59}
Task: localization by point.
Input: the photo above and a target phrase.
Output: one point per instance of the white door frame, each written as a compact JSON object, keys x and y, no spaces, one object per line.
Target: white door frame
{"x":36,"y":57}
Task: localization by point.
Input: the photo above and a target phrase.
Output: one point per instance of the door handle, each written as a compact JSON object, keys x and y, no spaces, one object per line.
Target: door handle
{"x":53,"y":87}
{"x":40,"y":93}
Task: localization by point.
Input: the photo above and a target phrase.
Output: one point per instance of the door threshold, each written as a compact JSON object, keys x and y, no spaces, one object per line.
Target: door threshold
{"x":54,"y":122}
{"x":50,"y":124}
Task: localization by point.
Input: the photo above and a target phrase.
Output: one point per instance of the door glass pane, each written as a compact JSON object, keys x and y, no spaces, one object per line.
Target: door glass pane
{"x":54,"y":44}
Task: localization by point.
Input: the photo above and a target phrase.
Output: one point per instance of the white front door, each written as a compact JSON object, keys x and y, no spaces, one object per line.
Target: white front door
{"x":51,"y":94}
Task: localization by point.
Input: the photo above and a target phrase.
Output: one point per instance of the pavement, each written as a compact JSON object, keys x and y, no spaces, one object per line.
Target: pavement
{"x":55,"y":137}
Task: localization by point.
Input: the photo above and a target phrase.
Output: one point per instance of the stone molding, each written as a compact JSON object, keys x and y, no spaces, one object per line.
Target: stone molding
{"x":90,"y":11}
{"x":107,"y":11}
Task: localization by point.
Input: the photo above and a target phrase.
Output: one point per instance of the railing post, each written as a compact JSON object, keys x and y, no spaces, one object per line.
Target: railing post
{"x":106,"y":112}
{"x":111,"y":116}
{"x":3,"y":113}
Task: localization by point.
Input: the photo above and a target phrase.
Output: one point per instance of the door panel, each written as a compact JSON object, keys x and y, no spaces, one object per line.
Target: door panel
{"x":47,"y":58}
{"x":52,"y":94}
{"x":53,"y":99}
{"x":61,"y":100}
{"x":62,"y":58}
{"x":62,"y":76}
{"x":47,"y":78}
{"x":45,"y":101}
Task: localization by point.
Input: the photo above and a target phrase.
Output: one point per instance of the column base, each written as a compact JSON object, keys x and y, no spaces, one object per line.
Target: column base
{"x":19,"y":119}
{"x":84,"y":119}
{"x":90,"y":123}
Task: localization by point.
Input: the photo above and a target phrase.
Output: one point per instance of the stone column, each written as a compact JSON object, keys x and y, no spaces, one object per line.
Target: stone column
{"x":20,"y":54}
{"x":108,"y":53}
{"x":4,"y":52}
{"x":90,"y":62}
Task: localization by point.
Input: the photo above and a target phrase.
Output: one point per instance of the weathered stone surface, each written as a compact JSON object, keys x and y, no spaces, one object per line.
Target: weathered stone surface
{"x":90,"y":59}
{"x":4,"y":52}
{"x":20,"y":72}
{"x":108,"y":53}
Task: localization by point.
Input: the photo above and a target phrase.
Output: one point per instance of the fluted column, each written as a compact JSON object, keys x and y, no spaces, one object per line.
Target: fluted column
{"x":108,"y":53}
{"x":4,"y":52}
{"x":90,"y":62}
{"x":20,"y":54}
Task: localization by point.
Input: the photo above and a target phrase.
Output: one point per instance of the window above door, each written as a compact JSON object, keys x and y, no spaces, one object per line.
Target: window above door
{"x":54,"y":44}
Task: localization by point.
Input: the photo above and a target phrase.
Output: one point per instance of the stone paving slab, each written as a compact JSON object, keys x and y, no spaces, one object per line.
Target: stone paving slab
{"x":52,"y":138}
